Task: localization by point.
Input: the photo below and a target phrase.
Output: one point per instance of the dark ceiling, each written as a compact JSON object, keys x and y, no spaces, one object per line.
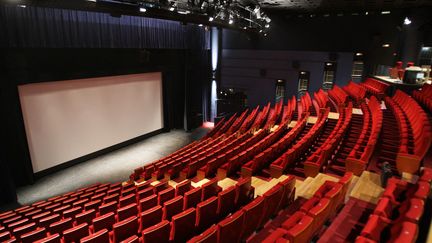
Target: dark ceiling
{"x":342,"y":5}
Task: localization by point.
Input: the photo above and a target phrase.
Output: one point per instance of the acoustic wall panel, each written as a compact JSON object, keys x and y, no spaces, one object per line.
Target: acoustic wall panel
{"x":65,"y":120}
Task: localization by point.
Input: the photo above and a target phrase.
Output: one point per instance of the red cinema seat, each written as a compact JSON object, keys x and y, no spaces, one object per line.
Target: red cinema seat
{"x":85,"y":217}
{"x":124,"y":201}
{"x":60,"y":226}
{"x":206,"y":213}
{"x":147,"y":203}
{"x":76,"y":233}
{"x":34,"y":235}
{"x":101,"y":236}
{"x":132,"y":239}
{"x":245,"y":191}
{"x":230,"y":229}
{"x":210,"y":189}
{"x":183,"y":225}
{"x":150,"y":217}
{"x":105,"y":221}
{"x":45,"y":222}
{"x":161,"y":186}
{"x":127,"y":211}
{"x":129,"y":191}
{"x":145,"y":193}
{"x":226,"y":201}
{"x":111,"y":198}
{"x":299,"y":227}
{"x":5,"y":236}
{"x":253,"y":213}
{"x":208,"y":236}
{"x":404,"y":232}
{"x":105,"y":208}
{"x":192,"y":198}
{"x":124,"y":229}
{"x":183,"y":187}
{"x":71,"y":213}
{"x":23,"y":229}
{"x":172,"y":207}
{"x":275,"y":235}
{"x":166,"y":195}
{"x":288,"y":191}
{"x":374,"y":227}
{"x":273,"y":198}
{"x":55,"y":238}
{"x":158,"y":233}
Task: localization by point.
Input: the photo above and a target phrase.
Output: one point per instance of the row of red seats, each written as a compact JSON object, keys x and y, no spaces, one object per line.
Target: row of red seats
{"x":321,"y":99}
{"x":226,"y":125}
{"x":209,"y":170}
{"x":249,"y":120}
{"x":338,"y":95}
{"x":274,"y":115}
{"x":279,"y":166}
{"x":261,"y":118}
{"x":418,"y":129}
{"x":313,"y":214}
{"x":305,"y":104}
{"x":264,"y":158}
{"x":318,"y":159}
{"x":190,"y":168}
{"x":117,"y":213}
{"x":237,"y":123}
{"x":253,"y":216}
{"x":172,"y":165}
{"x":355,"y":91}
{"x":398,"y":212}
{"x":236,"y":162}
{"x":289,"y":110}
{"x":375,"y":87}
{"x":359,"y":157}
{"x":424,"y":96}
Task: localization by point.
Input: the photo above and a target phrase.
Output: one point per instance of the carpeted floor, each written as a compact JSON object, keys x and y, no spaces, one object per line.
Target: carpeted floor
{"x":112,"y":167}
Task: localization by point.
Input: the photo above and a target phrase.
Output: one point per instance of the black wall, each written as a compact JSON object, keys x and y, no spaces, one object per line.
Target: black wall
{"x":184,"y":74}
{"x":347,"y":33}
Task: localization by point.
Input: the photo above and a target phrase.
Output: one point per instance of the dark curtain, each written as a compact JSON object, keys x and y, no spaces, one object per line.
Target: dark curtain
{"x":64,"y":28}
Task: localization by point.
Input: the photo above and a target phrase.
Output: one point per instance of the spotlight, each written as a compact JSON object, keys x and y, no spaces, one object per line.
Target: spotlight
{"x":366,"y":13}
{"x":142,"y":10}
{"x":426,"y":48}
{"x":231,"y":21}
{"x":257,"y":9}
{"x":407,"y":21}
{"x":385,"y":12}
{"x":22,"y":6}
{"x":171,"y":9}
{"x":267,"y":19}
{"x":359,"y":54}
{"x":244,"y":27}
{"x":91,"y":1}
{"x":200,"y":25}
{"x":211,"y":19}
{"x":267,"y":26}
{"x":260,"y":31}
{"x":386,"y":45}
{"x":265,"y":34}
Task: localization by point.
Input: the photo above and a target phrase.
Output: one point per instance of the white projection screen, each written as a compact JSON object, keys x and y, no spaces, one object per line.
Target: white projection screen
{"x":65,"y":120}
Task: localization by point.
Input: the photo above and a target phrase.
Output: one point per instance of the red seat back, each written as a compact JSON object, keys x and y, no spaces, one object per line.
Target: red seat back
{"x":183,"y":225}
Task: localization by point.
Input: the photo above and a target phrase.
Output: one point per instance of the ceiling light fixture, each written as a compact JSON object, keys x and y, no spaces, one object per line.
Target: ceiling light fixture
{"x":142,"y":10}
{"x":407,"y":21}
{"x":386,"y":45}
{"x":359,"y":54}
{"x":385,"y":12}
{"x":211,"y":19}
